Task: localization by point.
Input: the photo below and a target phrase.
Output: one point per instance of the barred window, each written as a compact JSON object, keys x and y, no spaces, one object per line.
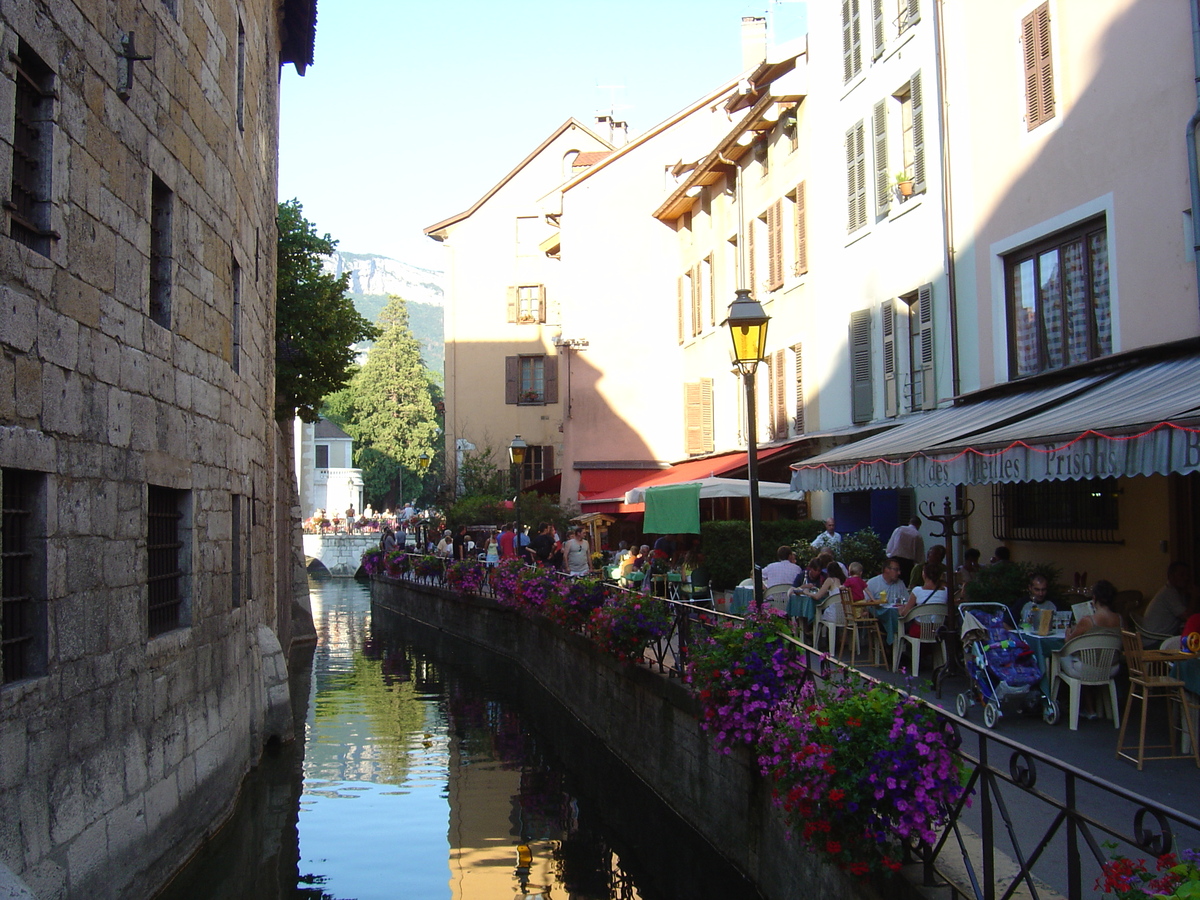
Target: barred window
{"x":1084,"y":512}
{"x":29,"y":203}
{"x":22,"y":610}
{"x":166,"y":559}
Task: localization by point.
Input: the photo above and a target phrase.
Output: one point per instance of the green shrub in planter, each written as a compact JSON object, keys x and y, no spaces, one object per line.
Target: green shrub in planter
{"x":1005,"y":582}
{"x":727,"y":546}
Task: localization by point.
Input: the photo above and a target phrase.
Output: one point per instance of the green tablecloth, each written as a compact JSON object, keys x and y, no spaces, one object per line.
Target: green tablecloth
{"x":1188,"y":672}
{"x":1043,"y":648}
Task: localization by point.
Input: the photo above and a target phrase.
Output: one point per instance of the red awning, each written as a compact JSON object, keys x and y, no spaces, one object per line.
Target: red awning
{"x":602,"y":482}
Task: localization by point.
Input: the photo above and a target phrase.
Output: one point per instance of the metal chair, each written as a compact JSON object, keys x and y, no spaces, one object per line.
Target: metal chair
{"x":1097,"y":652}
{"x":860,"y":618}
{"x":695,"y":588}
{"x":929,"y":616}
{"x":1149,"y":678}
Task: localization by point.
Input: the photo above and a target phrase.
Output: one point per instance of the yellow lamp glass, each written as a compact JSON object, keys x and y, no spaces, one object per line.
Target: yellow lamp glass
{"x":748,"y":327}
{"x":423,"y":461}
{"x":516,"y":451}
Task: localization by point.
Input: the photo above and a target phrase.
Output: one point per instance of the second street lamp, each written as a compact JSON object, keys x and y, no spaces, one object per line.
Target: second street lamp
{"x":516,"y":455}
{"x":748,"y":327}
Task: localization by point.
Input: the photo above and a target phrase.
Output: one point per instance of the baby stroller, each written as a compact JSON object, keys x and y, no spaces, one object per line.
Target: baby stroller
{"x":1001,"y":665}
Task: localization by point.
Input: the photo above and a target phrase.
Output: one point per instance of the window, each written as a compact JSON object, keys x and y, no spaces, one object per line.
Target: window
{"x":683,"y":290}
{"x":1058,"y":300}
{"x":241,"y":76}
{"x":167,"y":553}
{"x":800,"y":227}
{"x":698,"y":417}
{"x":235,"y":287}
{"x":862,"y":395}
{"x":1084,"y":512}
{"x":851,"y":40}
{"x":531,"y":379}
{"x":912,"y":314}
{"x":29,"y":203}
{"x":856,"y":178}
{"x":538,"y":465}
{"x":322,"y":456}
{"x":162,"y":203}
{"x":22,"y":592}
{"x":527,"y":303}
{"x":897,"y":126}
{"x":922,"y":386}
{"x":240,"y":534}
{"x":762,"y":156}
{"x":1039,"y":67}
{"x":708,"y":292}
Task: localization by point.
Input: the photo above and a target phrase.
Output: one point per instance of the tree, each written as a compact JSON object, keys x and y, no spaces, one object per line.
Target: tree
{"x":388,"y":408}
{"x":316,"y":323}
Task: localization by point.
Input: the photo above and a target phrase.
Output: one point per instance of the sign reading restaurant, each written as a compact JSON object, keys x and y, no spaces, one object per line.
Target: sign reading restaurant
{"x":1161,"y":450}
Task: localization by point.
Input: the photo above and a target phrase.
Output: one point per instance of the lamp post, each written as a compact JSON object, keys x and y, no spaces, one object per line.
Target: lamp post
{"x":422,"y":466}
{"x":748,"y":327}
{"x":516,"y":455}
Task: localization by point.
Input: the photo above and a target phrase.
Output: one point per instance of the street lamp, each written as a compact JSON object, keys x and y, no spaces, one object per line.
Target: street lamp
{"x":516,"y":455}
{"x":748,"y":327}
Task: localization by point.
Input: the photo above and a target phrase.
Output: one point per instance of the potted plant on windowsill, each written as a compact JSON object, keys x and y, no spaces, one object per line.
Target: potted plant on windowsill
{"x":904,"y":184}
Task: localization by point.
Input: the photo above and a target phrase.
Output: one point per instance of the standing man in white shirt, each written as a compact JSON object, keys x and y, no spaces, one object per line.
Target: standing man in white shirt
{"x":906,"y":544}
{"x":827,"y":539}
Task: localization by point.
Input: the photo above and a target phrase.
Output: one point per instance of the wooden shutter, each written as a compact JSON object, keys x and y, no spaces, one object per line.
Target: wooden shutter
{"x":801,"y":230}
{"x":1039,"y":67}
{"x":707,"y":443}
{"x":883,"y":186}
{"x":697,"y":297}
{"x":779,"y":413}
{"x":547,"y":462}
{"x":918,"y":133}
{"x":712,"y":291}
{"x":751,"y":262}
{"x":775,"y":246}
{"x":799,"y":389}
{"x":851,"y":39}
{"x":925,"y":347}
{"x":679,"y":310}
{"x":512,"y":379}
{"x":891,"y":388}
{"x":550,"y":378}
{"x":541,"y":311}
{"x":877,"y":28}
{"x":914,"y":16}
{"x":856,"y":178}
{"x":862,"y":401}
{"x":511,"y":295}
{"x":693,"y":418}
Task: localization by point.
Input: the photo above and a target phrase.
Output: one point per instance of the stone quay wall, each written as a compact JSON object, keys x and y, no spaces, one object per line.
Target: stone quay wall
{"x":340,"y":554}
{"x":651,"y":723}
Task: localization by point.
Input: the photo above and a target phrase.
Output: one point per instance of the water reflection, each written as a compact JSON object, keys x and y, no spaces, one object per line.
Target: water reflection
{"x":431,"y":769}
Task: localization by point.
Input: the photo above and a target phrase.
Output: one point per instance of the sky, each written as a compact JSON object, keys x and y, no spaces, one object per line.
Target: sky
{"x":411,"y":111}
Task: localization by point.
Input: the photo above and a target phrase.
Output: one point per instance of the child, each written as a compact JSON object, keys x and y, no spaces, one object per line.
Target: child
{"x":855,"y":582}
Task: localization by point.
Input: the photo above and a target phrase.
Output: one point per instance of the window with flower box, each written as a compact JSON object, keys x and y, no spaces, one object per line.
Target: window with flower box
{"x":531,"y":380}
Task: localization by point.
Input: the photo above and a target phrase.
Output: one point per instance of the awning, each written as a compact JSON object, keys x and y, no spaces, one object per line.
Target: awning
{"x":672,"y":509}
{"x":1136,"y":422}
{"x":713,"y":488}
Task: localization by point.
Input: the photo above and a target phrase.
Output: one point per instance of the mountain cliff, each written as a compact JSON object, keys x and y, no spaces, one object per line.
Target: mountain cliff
{"x":371,"y":273}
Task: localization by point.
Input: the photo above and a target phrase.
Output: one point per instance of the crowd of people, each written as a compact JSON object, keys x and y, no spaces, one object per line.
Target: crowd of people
{"x":368,"y":521}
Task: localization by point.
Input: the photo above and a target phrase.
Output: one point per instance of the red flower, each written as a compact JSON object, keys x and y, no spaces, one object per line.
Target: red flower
{"x":833,"y":848}
{"x":836,"y":794}
{"x":859,"y":868}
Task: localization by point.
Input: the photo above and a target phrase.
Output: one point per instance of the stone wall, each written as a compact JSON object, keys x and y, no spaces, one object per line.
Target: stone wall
{"x":651,"y":723}
{"x":120,"y":748}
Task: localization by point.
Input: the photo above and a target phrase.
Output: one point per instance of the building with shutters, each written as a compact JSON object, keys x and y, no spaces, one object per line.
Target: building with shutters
{"x":152,"y":582}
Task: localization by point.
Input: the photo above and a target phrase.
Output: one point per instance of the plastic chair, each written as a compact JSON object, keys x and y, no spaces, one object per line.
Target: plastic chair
{"x":930,"y":617}
{"x":819,"y":621}
{"x":695,"y":588}
{"x":859,"y":618}
{"x":777,"y":595}
{"x":1097,"y":651}
{"x":1149,"y":678}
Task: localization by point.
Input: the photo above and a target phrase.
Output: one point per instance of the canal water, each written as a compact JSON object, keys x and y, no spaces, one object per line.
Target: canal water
{"x":430,"y":768}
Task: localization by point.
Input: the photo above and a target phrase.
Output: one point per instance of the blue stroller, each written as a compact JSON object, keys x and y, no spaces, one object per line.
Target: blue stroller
{"x":1001,"y":665}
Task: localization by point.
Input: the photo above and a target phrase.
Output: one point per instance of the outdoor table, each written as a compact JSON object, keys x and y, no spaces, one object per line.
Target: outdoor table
{"x":1043,"y":645}
{"x":888,"y":615}
{"x":740,"y":601}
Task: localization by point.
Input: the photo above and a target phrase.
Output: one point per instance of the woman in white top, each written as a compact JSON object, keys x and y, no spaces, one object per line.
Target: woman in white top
{"x":932,"y":591}
{"x":834,"y":578}
{"x":577,"y":554}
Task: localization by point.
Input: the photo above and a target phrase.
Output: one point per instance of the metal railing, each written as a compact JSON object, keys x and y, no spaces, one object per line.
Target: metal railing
{"x":1028,"y":823}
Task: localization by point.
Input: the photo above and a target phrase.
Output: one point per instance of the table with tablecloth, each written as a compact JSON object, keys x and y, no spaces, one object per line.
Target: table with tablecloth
{"x":799,"y":606}
{"x":889,"y":621}
{"x":1043,"y":646}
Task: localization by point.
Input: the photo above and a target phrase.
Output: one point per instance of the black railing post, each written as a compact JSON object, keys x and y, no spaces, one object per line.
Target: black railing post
{"x":1074,"y":876}
{"x":986,"y":833}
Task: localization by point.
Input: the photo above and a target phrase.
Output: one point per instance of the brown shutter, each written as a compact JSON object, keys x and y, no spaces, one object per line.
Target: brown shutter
{"x":751,"y":262}
{"x":697,"y":311}
{"x":1045,"y":62}
{"x":883,"y":186}
{"x":862,"y":400}
{"x":779,"y":416}
{"x":512,"y":378}
{"x":891,"y":383}
{"x":775,"y":245}
{"x":692,"y":416}
{"x":541,"y":302}
{"x":679,"y":307}
{"x":511,"y":294}
{"x":925,"y":346}
{"x":707,"y":444}
{"x":712,"y":291}
{"x":1039,"y":67}
{"x":550,"y":378}
{"x":918,"y":133}
{"x":799,"y":389}
{"x":801,"y":229}
{"x":547,"y":461}
{"x":877,"y":28}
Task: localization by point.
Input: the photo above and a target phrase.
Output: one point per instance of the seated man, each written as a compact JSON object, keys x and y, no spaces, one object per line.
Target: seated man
{"x":784,"y":570}
{"x":888,"y":586}
{"x":1036,"y":598}
{"x":1171,"y":605}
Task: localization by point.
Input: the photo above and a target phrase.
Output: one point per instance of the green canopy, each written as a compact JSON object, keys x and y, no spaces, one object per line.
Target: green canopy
{"x":672,"y":509}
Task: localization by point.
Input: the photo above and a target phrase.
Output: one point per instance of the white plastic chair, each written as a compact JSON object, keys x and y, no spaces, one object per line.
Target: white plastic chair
{"x":1097,"y":651}
{"x":834,"y":600}
{"x":930,"y":617}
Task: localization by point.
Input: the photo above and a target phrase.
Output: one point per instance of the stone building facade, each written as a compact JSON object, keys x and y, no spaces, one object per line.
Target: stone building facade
{"x":149,"y":530}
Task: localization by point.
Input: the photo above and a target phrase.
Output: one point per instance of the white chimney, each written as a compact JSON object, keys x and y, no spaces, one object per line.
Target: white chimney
{"x":754,"y":41}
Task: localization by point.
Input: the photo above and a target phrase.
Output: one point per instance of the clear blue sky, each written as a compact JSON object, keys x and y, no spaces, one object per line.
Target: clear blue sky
{"x":411,"y":111}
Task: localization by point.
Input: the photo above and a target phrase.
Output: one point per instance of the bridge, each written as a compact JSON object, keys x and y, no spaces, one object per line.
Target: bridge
{"x":338,"y":553}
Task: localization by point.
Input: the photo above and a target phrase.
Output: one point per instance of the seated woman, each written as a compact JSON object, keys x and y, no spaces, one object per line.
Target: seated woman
{"x":933,"y":590}
{"x":832,"y":585}
{"x":1103,"y":596}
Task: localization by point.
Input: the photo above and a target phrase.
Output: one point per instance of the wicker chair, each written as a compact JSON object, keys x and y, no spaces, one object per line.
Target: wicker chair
{"x":860,"y":619}
{"x":1097,"y":651}
{"x":1149,"y":678}
{"x":930,"y":617}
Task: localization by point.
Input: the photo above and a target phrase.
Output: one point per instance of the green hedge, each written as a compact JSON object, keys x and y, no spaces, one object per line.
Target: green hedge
{"x":727,"y":546}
